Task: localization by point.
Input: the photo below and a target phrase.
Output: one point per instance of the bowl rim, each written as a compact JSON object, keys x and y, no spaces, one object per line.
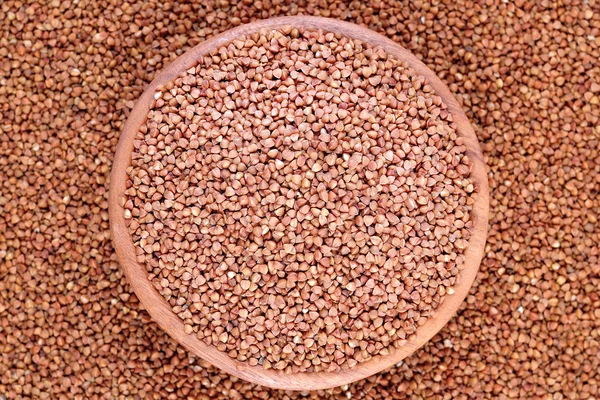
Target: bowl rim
{"x":158,"y":307}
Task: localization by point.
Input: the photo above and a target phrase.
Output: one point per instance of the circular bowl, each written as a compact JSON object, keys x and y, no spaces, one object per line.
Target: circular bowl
{"x":161,"y":311}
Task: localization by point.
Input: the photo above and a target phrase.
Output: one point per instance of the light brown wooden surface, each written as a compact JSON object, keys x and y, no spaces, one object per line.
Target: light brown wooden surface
{"x":159,"y":308}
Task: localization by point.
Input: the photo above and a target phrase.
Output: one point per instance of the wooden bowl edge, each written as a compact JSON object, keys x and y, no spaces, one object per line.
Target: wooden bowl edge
{"x":157,"y":306}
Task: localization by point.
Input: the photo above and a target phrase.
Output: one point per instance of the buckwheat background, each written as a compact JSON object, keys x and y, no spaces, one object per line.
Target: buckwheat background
{"x":528,"y":76}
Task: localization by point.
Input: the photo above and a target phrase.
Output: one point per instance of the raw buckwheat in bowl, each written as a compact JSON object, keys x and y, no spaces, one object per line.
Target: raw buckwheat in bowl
{"x":299,"y":201}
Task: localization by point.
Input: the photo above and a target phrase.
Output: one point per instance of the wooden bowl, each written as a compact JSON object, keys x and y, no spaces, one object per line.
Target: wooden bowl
{"x":160,"y":310}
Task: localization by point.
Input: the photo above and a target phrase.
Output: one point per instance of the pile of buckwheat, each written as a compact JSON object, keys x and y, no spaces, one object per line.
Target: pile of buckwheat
{"x":527,"y":74}
{"x":301,"y":199}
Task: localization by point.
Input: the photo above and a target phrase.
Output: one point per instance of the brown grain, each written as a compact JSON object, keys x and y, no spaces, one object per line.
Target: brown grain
{"x":335,"y":201}
{"x":527,"y":75}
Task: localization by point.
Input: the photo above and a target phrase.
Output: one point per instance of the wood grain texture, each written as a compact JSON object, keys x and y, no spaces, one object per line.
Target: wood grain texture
{"x":159,"y":309}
